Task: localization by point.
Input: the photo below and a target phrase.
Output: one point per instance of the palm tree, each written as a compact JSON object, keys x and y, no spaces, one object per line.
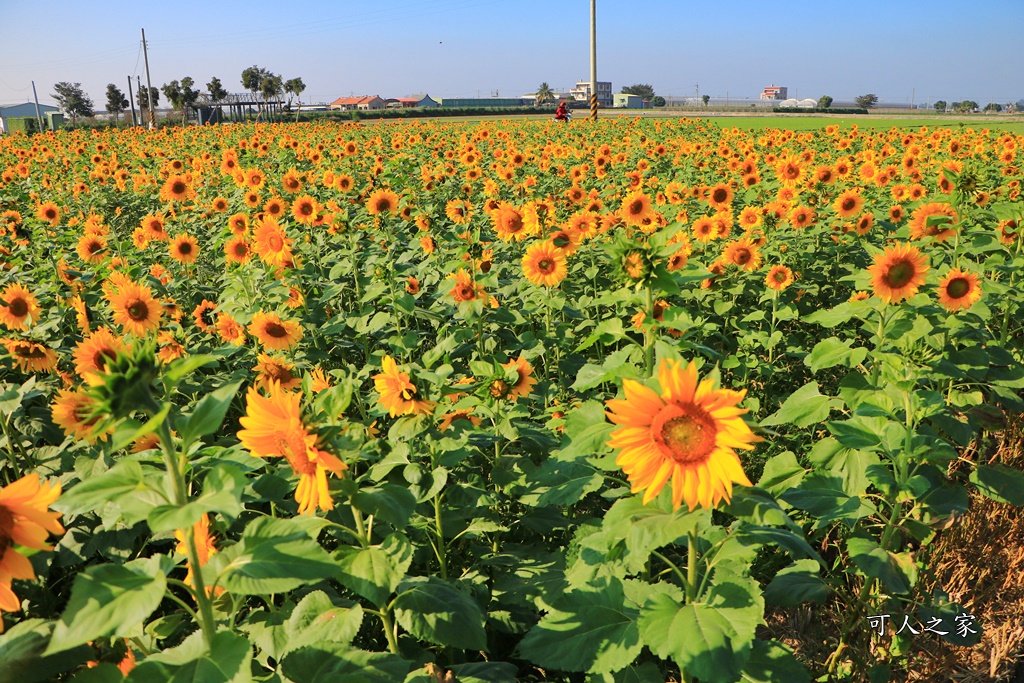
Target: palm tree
{"x":544,"y":93}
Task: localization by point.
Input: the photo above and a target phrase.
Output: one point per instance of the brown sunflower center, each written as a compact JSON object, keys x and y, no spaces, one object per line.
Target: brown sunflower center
{"x":178,"y":187}
{"x":276,"y":242}
{"x":384,"y":204}
{"x":686,"y":433}
{"x":742,"y":256}
{"x":849,"y":204}
{"x":6,"y":527}
{"x":279,"y":373}
{"x":636,"y":207}
{"x":185,"y":248}
{"x":306,"y":209}
{"x":272,"y":329}
{"x":719,"y":196}
{"x":546,"y":266}
{"x":30,"y":351}
{"x":958,"y":287}
{"x":18,"y":308}
{"x":99,"y":359}
{"x":137,"y":310}
{"x":899,"y":274}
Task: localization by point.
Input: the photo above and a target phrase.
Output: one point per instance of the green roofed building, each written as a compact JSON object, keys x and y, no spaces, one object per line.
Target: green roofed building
{"x":16,"y":117}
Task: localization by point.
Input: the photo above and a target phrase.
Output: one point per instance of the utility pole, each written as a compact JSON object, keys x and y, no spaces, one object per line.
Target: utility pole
{"x":149,"y":84}
{"x":39,"y":118}
{"x":131,"y":100}
{"x":593,"y":60}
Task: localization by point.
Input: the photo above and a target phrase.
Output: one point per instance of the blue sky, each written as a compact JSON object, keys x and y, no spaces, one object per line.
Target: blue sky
{"x":898,"y":49}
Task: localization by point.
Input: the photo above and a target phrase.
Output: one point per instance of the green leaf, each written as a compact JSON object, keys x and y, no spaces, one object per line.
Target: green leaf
{"x":876,"y":563}
{"x":830,"y":317}
{"x":695,"y":636}
{"x":589,"y":630}
{"x":183,"y":366}
{"x":771,"y":662}
{"x":831,"y":352}
{"x":435,"y":611}
{"x":375,"y":572}
{"x":787,"y":538}
{"x":559,"y":482}
{"x":390,"y":502}
{"x":804,"y":407}
{"x":1000,"y":483}
{"x":274,"y":556}
{"x":340,"y":663}
{"x":647,"y":672}
{"x":229,"y":660}
{"x":823,"y":496}
{"x":316,"y":620}
{"x":586,"y":432}
{"x":222,"y":492}
{"x":21,"y":648}
{"x":108,"y":600}
{"x":208,"y":414}
{"x":123,"y":479}
{"x":859,"y":432}
{"x":799,"y":582}
{"x":781,"y":473}
{"x":485,"y":672}
{"x":105,"y":672}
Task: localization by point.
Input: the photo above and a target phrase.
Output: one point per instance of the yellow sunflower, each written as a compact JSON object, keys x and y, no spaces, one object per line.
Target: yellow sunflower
{"x":273,"y":427}
{"x":687,"y":435}
{"x":275,"y":334}
{"x":135,"y":309}
{"x":544,"y":264}
{"x":898,"y":273}
{"x":397,"y":391}
{"x":959,"y":290}
{"x":18,"y":307}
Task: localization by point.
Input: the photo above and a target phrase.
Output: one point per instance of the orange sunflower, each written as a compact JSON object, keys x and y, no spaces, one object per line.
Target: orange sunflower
{"x":275,"y":334}
{"x":135,"y":309}
{"x":898,"y":273}
{"x":687,"y":435}
{"x":636,"y":208}
{"x":465,"y":289}
{"x":743,"y":253}
{"x":205,"y":549}
{"x":720,"y":196}
{"x":270,"y":369}
{"x":184,"y":248}
{"x":91,"y":248}
{"x":31,"y":356}
{"x":48,"y":211}
{"x":959,"y":290}
{"x":382,"y":201}
{"x":458,"y":211}
{"x":544,"y":264}
{"x":396,"y":391}
{"x":18,"y":307}
{"x":273,"y":427}
{"x":230,"y":330}
{"x":934,"y":219}
{"x":271,"y":243}
{"x":93,"y":352}
{"x":25,"y":519}
{"x":524,"y":378}
{"x":305,"y":210}
{"x":236,"y":250}
{"x":778,"y":278}
{"x":509,"y":223}
{"x":848,"y":204}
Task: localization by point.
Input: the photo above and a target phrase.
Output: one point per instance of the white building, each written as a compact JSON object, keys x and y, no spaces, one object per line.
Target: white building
{"x":604,"y":92}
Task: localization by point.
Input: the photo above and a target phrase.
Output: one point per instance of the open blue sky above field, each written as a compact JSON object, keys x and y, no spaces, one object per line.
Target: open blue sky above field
{"x":898,"y":49}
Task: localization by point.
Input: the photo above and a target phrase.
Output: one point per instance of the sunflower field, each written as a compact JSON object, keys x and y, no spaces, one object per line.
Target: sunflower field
{"x":437,"y":402}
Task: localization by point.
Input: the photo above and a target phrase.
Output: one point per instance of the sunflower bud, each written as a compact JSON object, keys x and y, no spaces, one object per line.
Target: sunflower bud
{"x":499,"y":388}
{"x":125,"y":385}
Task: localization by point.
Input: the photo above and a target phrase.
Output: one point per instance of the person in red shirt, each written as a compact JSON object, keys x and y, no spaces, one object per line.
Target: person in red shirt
{"x":562,"y":113}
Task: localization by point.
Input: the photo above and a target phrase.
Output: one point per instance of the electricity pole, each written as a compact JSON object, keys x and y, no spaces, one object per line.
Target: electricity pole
{"x":131,"y":100}
{"x":35,"y":97}
{"x":593,"y":60}
{"x":149,"y":85}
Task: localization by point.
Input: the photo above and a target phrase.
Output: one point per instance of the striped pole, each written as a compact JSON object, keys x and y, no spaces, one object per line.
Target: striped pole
{"x":593,"y":60}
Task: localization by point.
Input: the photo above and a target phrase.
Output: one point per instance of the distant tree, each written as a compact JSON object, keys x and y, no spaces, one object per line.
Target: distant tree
{"x":705,"y":99}
{"x":295,"y":86}
{"x":216,"y":90}
{"x":867,"y":101}
{"x":72,"y":99}
{"x":271,"y":87}
{"x":658,"y":101}
{"x":965,"y":107}
{"x":644,"y":90}
{"x":252,"y":80}
{"x":940,"y":105}
{"x":544,"y":93}
{"x":992,"y":106}
{"x":181,"y":96}
{"x":116,"y":101}
{"x":824,"y":102}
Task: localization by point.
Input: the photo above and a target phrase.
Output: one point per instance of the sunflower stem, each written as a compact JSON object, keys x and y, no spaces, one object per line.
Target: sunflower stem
{"x":206,"y":620}
{"x":389,"y":630}
{"x":649,"y":334}
{"x":691,"y":567}
{"x":442,"y":549}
